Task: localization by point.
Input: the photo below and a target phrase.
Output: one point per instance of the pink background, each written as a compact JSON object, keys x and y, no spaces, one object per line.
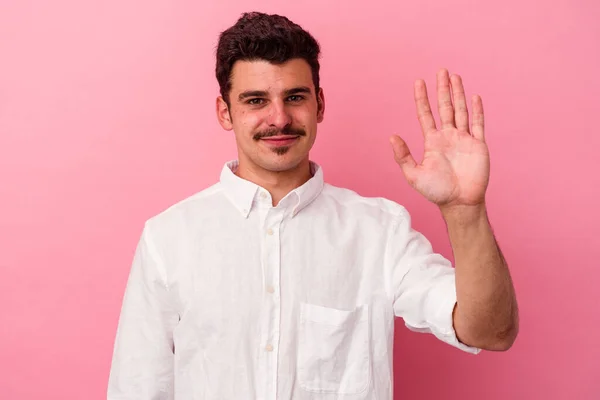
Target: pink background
{"x":106,"y":118}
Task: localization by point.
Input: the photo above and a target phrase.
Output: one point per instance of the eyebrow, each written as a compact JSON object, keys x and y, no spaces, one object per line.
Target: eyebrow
{"x":301,"y":89}
{"x":262,"y":93}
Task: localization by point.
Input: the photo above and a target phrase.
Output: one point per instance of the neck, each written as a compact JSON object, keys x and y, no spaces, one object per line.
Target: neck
{"x":277,"y":183}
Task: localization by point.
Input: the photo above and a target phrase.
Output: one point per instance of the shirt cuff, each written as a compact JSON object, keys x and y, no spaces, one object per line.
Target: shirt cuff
{"x":440,"y":322}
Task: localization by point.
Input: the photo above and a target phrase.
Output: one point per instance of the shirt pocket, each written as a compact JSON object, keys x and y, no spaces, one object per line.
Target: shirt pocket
{"x":333,"y":349}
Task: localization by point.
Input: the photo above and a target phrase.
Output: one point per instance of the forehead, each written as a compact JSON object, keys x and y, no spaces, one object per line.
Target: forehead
{"x":263,"y":75}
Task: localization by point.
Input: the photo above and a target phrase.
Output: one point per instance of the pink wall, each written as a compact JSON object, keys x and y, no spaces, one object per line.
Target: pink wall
{"x":106,"y":118}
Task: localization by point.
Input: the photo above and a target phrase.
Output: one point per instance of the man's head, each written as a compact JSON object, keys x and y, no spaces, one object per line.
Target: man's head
{"x":268,"y":73}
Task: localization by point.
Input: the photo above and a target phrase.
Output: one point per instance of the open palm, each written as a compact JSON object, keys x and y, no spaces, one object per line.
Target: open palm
{"x":456,"y":165}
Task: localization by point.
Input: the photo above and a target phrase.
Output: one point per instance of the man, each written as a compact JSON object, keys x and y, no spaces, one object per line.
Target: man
{"x":272,"y":284}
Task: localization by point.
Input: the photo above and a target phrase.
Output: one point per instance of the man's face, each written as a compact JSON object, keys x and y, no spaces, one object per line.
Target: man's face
{"x":273,"y":112}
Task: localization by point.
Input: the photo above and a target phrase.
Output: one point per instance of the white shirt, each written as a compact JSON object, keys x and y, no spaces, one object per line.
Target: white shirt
{"x":231,"y":298}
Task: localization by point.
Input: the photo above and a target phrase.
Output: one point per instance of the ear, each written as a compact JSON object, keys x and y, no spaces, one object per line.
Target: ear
{"x":320,"y":105}
{"x":223,"y":114}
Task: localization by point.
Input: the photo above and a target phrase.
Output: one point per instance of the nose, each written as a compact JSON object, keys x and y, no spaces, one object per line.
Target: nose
{"x":279,"y":116}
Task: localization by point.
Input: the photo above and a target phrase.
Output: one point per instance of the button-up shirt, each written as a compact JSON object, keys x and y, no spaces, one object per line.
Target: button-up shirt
{"x":231,"y":298}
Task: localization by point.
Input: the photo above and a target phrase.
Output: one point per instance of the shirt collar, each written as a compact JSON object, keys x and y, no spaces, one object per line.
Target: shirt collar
{"x":243,"y":193}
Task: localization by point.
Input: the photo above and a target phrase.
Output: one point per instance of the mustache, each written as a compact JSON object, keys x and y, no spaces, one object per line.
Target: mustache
{"x":288,"y":130}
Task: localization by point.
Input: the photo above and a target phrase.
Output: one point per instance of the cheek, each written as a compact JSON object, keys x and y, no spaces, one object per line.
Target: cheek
{"x":246,"y":123}
{"x":305,"y":117}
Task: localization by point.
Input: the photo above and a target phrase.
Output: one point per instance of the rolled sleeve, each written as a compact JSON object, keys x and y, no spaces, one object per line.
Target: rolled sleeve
{"x":439,"y":321}
{"x":422,"y":284}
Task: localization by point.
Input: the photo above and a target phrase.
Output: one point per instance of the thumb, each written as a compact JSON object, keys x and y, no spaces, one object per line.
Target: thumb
{"x":403,"y":157}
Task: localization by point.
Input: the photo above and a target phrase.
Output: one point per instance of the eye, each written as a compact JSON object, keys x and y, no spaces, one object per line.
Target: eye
{"x":295,"y":98}
{"x":255,"y":102}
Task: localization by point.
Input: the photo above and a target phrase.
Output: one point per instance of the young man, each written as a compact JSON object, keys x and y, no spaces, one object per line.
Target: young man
{"x":272,"y":284}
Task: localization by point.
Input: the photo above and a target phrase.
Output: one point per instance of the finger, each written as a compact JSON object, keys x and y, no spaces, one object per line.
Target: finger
{"x":461,"y":113}
{"x":477,"y":127}
{"x":423,"y":108}
{"x":404,"y":159}
{"x":444,"y":99}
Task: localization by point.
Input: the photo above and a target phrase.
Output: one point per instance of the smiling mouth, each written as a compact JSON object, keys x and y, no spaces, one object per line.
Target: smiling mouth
{"x":280,"y":140}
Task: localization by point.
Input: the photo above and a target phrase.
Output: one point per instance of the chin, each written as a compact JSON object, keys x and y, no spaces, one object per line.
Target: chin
{"x":281,"y":164}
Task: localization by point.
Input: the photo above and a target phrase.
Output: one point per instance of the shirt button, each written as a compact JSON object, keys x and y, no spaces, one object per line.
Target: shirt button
{"x":270,"y":289}
{"x":263,"y":195}
{"x":269,"y":231}
{"x":269,"y":347}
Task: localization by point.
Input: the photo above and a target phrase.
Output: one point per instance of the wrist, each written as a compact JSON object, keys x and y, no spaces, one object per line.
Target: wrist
{"x":463,"y":214}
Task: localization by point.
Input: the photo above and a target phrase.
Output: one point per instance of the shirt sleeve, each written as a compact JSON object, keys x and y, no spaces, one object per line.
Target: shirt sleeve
{"x":143,"y":356}
{"x":422,"y":284}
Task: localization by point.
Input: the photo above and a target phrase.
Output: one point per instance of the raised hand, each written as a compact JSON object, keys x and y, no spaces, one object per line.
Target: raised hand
{"x":456,"y":165}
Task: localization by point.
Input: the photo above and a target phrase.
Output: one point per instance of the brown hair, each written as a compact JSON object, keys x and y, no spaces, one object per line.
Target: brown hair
{"x":259,"y":36}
